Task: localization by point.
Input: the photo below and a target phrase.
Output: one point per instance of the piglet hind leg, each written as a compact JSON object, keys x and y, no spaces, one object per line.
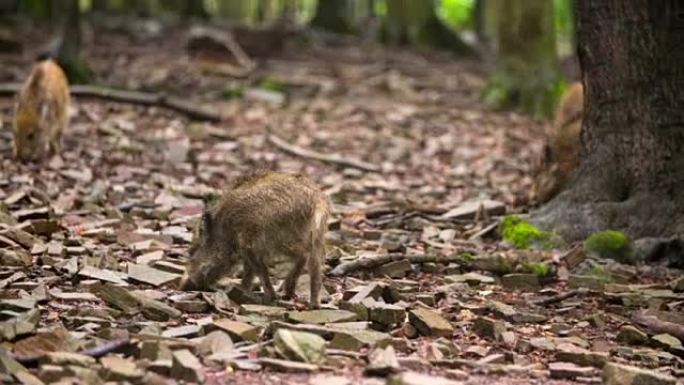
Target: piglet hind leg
{"x":260,"y":268}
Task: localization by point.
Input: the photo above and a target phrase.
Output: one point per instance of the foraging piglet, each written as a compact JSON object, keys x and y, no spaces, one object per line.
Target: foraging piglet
{"x":561,"y":151}
{"x":41,"y":113}
{"x":263,"y":215}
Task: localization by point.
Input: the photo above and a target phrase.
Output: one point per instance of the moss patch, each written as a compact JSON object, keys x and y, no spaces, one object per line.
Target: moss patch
{"x":540,"y":269}
{"x":610,"y":244}
{"x":524,"y":235}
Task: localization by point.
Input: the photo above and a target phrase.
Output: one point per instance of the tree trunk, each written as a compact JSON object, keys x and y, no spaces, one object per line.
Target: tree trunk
{"x":332,"y":15}
{"x":69,"y":45}
{"x":417,"y":23}
{"x":631,"y":173}
{"x":527,"y":74}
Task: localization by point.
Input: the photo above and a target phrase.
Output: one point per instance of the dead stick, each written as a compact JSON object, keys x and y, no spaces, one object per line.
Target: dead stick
{"x":133,"y":97}
{"x":657,"y":326}
{"x":555,"y":298}
{"x":309,"y":154}
{"x":96,"y":352}
{"x":377,"y":261}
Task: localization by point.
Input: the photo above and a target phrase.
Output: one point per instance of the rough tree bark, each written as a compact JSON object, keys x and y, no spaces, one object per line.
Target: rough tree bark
{"x":631,"y":173}
{"x":332,"y":15}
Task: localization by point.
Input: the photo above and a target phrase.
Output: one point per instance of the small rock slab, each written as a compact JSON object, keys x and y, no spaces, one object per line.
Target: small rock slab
{"x":273,"y":312}
{"x":187,"y":331}
{"x":66,"y":358}
{"x":382,"y":362}
{"x":469,"y":278}
{"x":430,"y":323}
{"x":287,"y":366}
{"x":355,"y":340}
{"x":120,"y":369}
{"x":616,"y":374}
{"x":566,"y":370}
{"x":579,"y":356}
{"x":185,"y":366}
{"x":386,"y":314}
{"x":488,"y":328}
{"x":239,"y":331}
{"x":414,"y":378}
{"x":522,"y":282}
{"x":103,"y":275}
{"x":74,"y":296}
{"x":299,"y":346}
{"x":150,"y":275}
{"x":320,"y":317}
{"x":631,"y":335}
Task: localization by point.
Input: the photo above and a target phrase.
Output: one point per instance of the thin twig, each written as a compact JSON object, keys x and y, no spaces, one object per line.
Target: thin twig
{"x":310,"y":154}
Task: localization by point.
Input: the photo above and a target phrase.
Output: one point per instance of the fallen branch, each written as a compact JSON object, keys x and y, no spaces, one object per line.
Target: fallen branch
{"x":134,"y":97}
{"x":555,"y":298}
{"x":369,"y":263}
{"x":310,"y":154}
{"x":657,"y":326}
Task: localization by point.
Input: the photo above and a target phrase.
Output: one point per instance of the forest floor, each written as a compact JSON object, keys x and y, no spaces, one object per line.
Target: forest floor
{"x":93,"y":242}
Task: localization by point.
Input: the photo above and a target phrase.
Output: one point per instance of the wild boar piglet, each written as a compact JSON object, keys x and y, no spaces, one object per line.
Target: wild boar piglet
{"x":263,"y":215}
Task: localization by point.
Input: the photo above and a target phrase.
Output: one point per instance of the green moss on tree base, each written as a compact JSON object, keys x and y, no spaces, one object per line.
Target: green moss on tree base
{"x":610,"y":244}
{"x":524,"y":235}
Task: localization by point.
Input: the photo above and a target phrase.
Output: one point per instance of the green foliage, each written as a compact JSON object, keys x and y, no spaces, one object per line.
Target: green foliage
{"x":456,"y":14}
{"x":524,"y":235}
{"x":271,"y":84}
{"x":233,"y":92}
{"x":600,"y":271}
{"x":610,"y":244}
{"x":540,"y":269}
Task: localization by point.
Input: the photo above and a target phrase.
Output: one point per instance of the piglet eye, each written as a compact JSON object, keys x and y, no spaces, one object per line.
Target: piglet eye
{"x":30,"y":136}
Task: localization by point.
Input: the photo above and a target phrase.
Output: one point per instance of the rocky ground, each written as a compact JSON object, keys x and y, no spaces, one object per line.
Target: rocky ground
{"x":419,"y":286}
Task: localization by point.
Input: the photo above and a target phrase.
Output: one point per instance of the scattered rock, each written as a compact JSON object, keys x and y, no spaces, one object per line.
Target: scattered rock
{"x":116,"y":368}
{"x":320,"y":317}
{"x":239,"y":331}
{"x":382,"y":362}
{"x":469,"y":278}
{"x":523,"y":282}
{"x":326,"y":379}
{"x":185,"y":366}
{"x":355,"y":340}
{"x":395,"y":269}
{"x":150,"y":275}
{"x":287,"y":366}
{"x":299,"y":346}
{"x":430,"y":323}
{"x":586,"y":281}
{"x":566,"y":370}
{"x":669,"y":343}
{"x":488,"y":328}
{"x":616,"y":374}
{"x":186,"y":331}
{"x":103,"y":275}
{"x":215,"y":342}
{"x":413,"y":378}
{"x":580,"y":356}
{"x":386,"y":314}
{"x":631,"y":335}
{"x":272,"y":312}
{"x":66,"y":358}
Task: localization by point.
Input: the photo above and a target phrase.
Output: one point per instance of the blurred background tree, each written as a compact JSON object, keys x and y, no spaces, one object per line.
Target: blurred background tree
{"x":524,"y":43}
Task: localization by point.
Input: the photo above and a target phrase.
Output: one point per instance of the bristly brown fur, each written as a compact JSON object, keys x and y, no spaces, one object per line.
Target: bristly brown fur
{"x":41,"y":113}
{"x":264,"y":214}
{"x":561,"y":151}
